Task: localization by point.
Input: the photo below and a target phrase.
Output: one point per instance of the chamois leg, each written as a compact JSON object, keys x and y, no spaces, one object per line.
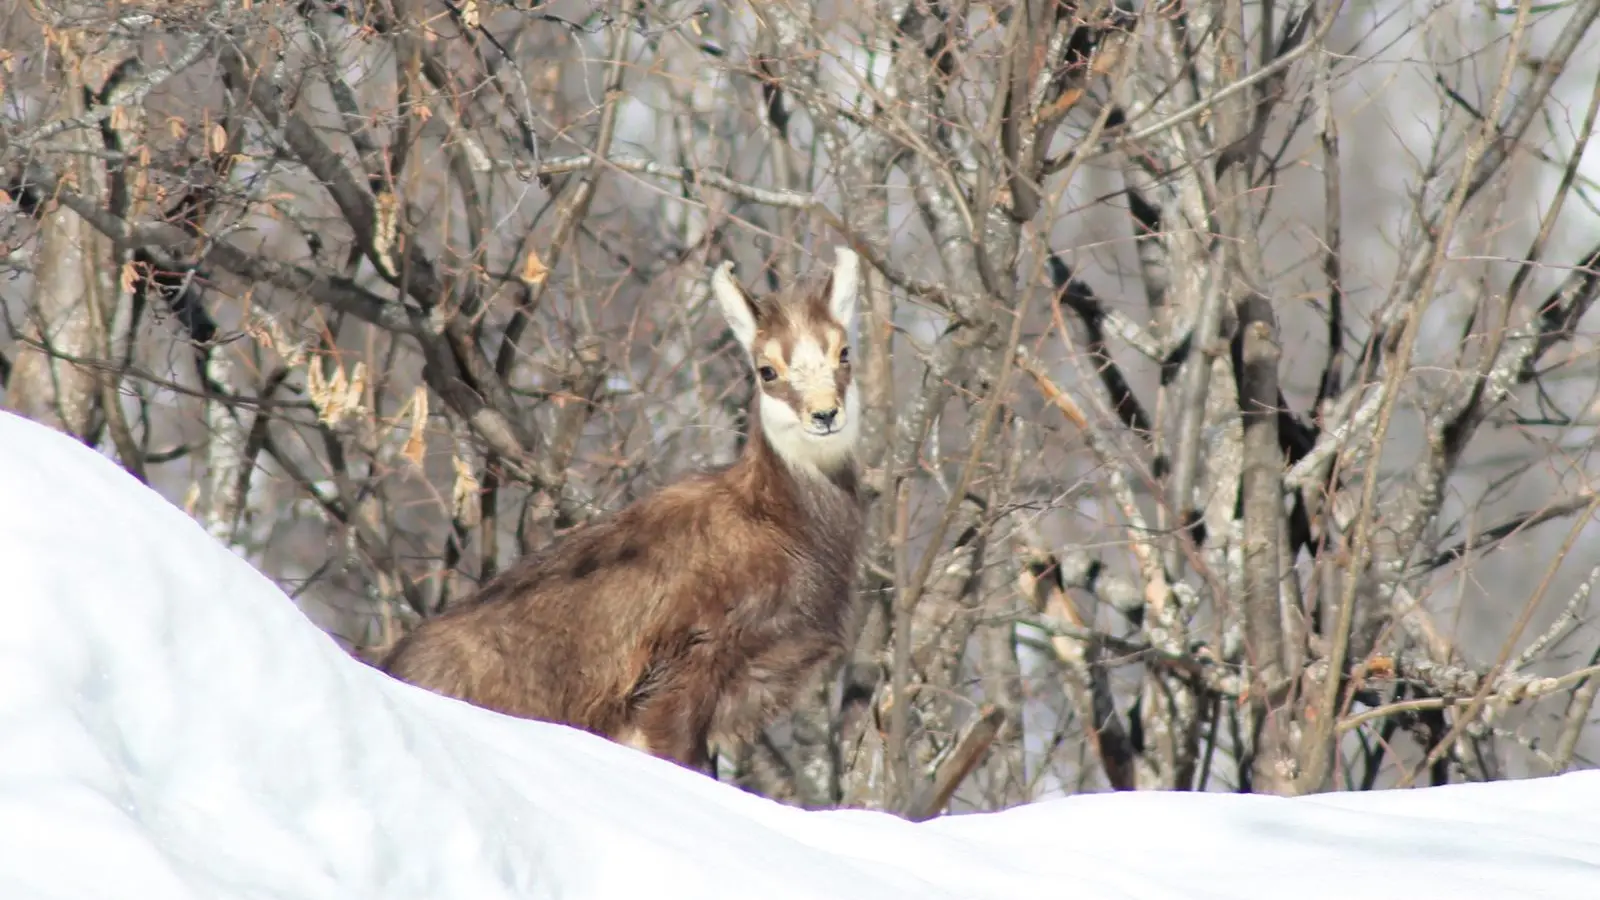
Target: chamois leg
{"x":671,"y":727}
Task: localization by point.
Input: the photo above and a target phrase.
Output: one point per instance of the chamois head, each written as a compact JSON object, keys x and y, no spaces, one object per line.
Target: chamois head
{"x":799,"y":346}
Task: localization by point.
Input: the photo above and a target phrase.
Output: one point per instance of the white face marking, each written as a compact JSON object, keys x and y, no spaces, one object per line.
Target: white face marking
{"x":800,"y":436}
{"x":811,"y":376}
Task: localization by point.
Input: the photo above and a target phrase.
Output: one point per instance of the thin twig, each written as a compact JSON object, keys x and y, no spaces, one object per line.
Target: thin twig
{"x":1157,"y":589}
{"x":1517,"y":628}
{"x":640,"y":166}
{"x":1319,"y":745}
{"x":1506,"y":529}
{"x":1519,"y":689}
{"x":1205,"y":104}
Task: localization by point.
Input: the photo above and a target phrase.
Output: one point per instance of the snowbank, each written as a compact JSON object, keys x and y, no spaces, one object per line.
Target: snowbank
{"x":171,"y":726}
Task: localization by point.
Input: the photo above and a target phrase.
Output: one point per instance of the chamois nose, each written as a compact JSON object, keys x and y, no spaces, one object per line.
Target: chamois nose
{"x":824,"y":418}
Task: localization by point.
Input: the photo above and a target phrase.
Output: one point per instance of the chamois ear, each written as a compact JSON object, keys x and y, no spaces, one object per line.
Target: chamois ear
{"x":737,"y":308}
{"x":846,"y":284}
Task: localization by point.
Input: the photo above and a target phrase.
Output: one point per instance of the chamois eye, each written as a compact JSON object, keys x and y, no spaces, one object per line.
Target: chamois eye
{"x":767,"y":373}
{"x":844,"y":356}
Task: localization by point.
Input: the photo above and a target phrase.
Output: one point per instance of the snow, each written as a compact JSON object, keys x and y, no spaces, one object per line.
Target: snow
{"x":171,"y":726}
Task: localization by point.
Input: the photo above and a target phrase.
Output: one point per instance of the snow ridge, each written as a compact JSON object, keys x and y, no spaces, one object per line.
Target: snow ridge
{"x":171,"y":726}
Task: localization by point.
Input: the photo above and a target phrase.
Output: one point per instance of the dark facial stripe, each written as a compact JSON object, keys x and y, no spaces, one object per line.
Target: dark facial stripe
{"x":780,"y":321}
{"x":782,"y":392}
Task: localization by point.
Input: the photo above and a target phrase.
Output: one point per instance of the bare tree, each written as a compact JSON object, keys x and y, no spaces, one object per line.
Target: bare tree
{"x":1226,"y":380}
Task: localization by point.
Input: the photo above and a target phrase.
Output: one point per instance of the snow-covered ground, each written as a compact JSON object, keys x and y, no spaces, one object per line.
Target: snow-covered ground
{"x":171,"y":726}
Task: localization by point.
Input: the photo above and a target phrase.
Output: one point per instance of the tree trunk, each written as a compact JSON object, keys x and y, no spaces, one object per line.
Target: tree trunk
{"x":75,"y":273}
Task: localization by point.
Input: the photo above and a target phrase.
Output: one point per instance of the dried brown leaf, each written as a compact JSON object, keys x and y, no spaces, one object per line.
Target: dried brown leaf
{"x":386,"y":210}
{"x":534,"y":271}
{"x":416,"y":442}
{"x":337,"y":396}
{"x":465,"y":495}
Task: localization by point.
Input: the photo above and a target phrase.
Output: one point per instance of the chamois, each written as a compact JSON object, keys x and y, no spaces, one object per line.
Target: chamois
{"x":687,"y":619}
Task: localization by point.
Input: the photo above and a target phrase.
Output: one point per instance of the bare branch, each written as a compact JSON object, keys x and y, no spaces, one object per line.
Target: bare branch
{"x":968,"y":751}
{"x":583,"y":163}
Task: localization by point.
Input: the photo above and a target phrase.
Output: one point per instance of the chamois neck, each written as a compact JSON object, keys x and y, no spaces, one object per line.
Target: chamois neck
{"x":762,"y":454}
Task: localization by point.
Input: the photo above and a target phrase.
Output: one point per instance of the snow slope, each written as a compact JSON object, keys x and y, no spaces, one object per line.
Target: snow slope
{"x":171,"y":726}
